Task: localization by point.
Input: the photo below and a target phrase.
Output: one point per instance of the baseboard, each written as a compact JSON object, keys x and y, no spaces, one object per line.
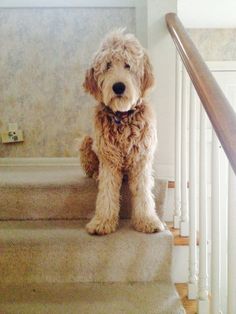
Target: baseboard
{"x":180,"y":264}
{"x":164,"y":171}
{"x":40,"y":161}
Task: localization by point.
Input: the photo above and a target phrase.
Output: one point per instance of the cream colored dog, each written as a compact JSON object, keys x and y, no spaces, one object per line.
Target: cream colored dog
{"x":125,"y":133}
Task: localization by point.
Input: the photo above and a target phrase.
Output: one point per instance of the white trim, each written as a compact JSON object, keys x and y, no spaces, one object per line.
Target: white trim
{"x":164,"y":171}
{"x":40,"y":161}
{"x":180,"y":266}
{"x":66,"y":3}
{"x":222,"y":66}
{"x":141,"y":21}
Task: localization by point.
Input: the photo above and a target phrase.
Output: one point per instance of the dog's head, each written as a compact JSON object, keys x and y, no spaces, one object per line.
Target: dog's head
{"x":120,"y":73}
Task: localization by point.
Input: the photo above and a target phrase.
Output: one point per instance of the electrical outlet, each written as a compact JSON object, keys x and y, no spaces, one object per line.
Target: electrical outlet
{"x":12,"y":137}
{"x":12,"y":127}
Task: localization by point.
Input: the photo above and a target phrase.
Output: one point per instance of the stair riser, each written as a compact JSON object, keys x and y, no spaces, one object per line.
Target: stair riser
{"x":46,"y":203}
{"x":90,"y":298}
{"x":86,"y":258}
{"x":51,"y":202}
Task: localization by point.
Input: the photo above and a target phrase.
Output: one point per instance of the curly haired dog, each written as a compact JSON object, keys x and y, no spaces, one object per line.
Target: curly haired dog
{"x":125,"y":133}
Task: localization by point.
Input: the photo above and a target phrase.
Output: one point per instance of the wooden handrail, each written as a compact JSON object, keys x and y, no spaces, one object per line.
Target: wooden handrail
{"x":219,"y":110}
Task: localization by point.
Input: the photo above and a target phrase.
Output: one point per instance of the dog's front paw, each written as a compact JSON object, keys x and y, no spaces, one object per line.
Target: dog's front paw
{"x":101,"y":226}
{"x":148,"y":224}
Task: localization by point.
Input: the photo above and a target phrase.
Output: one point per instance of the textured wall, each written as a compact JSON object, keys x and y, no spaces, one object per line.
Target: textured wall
{"x":43,"y":57}
{"x":215,"y":44}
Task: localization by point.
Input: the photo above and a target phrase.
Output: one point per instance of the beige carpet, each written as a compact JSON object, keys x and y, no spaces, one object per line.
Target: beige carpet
{"x":52,"y":192}
{"x":53,"y":266}
{"x":91,"y":298}
{"x":62,"y":251}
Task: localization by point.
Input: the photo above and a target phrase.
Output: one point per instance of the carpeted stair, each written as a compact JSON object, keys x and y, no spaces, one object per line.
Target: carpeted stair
{"x":53,"y":192}
{"x":53,"y":266}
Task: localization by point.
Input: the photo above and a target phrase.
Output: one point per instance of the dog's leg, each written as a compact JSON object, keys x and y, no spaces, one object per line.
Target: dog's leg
{"x":88,"y":158}
{"x":144,"y":216}
{"x":105,"y":219}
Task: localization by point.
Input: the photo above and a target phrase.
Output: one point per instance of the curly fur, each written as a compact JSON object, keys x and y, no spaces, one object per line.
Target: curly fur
{"x":126,"y":147}
{"x":88,"y":158}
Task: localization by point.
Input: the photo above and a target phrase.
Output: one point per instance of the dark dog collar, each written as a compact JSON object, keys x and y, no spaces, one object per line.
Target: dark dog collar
{"x":119,"y":116}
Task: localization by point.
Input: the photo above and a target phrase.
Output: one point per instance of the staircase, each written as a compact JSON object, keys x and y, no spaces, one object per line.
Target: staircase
{"x":49,"y":264}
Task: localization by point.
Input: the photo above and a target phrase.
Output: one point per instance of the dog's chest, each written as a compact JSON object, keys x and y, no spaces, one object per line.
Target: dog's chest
{"x":124,"y":145}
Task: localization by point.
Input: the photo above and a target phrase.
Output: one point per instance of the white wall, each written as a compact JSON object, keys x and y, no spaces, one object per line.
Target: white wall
{"x":207,"y":13}
{"x":162,"y":52}
{"x":149,"y":22}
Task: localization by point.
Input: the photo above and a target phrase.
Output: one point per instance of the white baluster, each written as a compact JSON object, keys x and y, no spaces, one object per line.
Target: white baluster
{"x":177,"y":212}
{"x":192,"y":285}
{"x":232,"y":243}
{"x":184,"y":225}
{"x":203,"y":302}
{"x":215,"y":227}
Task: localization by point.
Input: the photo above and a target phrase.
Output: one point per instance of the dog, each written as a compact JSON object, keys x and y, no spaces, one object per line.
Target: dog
{"x":125,"y":136}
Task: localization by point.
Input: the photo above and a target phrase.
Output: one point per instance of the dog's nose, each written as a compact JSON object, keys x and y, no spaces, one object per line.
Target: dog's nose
{"x":119,"y":88}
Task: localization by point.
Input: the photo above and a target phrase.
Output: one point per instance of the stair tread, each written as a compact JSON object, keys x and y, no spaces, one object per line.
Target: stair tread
{"x":61,"y":250}
{"x":57,"y":192}
{"x":178,"y":239}
{"x":90,"y":298}
{"x":57,"y":230}
{"x":189,"y":305}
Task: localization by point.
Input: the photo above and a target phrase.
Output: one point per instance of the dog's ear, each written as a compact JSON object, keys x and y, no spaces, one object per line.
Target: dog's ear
{"x":90,"y":84}
{"x":148,"y":76}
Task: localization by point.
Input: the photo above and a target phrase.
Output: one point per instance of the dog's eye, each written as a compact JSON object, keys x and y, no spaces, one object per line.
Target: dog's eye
{"x":108,"y":65}
{"x":127,"y":66}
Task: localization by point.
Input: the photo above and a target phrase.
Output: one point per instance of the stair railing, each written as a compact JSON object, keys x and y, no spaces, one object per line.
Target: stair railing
{"x":192,"y":171}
